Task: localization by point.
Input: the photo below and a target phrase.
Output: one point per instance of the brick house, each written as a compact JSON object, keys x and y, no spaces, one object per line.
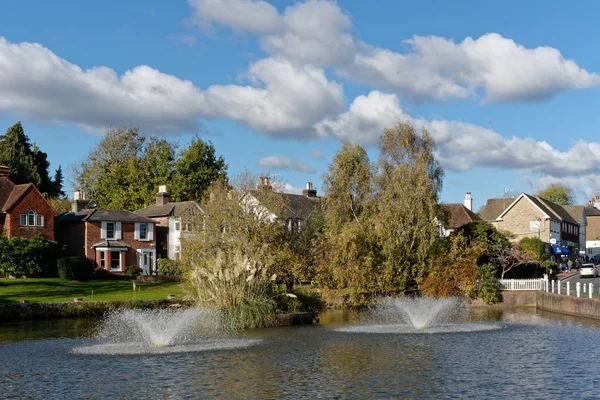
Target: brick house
{"x":534,"y":216}
{"x":24,"y":212}
{"x":457,"y":215}
{"x":173,"y":219}
{"x":111,"y":240}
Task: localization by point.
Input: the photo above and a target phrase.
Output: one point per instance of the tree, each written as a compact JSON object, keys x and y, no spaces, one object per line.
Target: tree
{"x":27,"y":257}
{"x":125,"y":169}
{"x":58,"y":183}
{"x":557,"y":193}
{"x":196,"y":169}
{"x":408,"y":182}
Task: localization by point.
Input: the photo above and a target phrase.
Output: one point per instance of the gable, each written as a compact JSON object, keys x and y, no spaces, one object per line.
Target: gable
{"x":524,"y":197}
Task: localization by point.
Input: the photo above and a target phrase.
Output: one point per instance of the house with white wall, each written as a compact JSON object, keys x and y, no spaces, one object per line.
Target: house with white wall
{"x":173,"y":219}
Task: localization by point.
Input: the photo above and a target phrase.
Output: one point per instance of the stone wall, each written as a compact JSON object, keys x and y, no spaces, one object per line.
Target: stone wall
{"x":517,"y":221}
{"x":570,"y":305}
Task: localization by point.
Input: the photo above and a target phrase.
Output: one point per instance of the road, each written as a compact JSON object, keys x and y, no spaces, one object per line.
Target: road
{"x":577,"y":278}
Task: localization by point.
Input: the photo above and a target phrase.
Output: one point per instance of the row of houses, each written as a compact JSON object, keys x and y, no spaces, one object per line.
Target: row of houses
{"x":115,"y":239}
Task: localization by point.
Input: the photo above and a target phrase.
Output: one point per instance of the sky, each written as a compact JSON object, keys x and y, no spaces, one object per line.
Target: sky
{"x":509,"y":90}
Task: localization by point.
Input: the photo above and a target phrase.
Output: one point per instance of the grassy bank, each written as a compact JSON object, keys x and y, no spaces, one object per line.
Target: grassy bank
{"x":60,"y":290}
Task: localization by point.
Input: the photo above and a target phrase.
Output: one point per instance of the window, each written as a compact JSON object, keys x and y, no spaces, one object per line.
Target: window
{"x":177,"y":252}
{"x":115,"y":260}
{"x":177,"y":226}
{"x":110,"y":231}
{"x":102,"y":260}
{"x":534,"y":226}
{"x":31,"y":219}
{"x":143,"y":231}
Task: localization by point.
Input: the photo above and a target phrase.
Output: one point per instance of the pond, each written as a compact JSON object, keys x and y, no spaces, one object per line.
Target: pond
{"x":517,"y":353}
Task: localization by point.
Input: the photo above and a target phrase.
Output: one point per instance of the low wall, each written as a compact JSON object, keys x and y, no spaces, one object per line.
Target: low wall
{"x":570,"y":305}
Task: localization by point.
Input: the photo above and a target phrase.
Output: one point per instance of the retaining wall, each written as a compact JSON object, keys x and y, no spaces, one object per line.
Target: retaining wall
{"x":570,"y":305}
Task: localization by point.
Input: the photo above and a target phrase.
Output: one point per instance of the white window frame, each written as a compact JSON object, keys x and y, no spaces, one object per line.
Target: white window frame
{"x":107,"y":253}
{"x":137,"y":235}
{"x":31,"y":219}
{"x":114,"y":230}
{"x":104,"y":230}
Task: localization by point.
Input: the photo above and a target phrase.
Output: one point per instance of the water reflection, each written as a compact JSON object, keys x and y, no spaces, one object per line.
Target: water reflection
{"x":537,"y":355}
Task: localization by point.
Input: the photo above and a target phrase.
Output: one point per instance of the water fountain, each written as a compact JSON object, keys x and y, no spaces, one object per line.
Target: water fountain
{"x":161,"y":331}
{"x":417,"y":315}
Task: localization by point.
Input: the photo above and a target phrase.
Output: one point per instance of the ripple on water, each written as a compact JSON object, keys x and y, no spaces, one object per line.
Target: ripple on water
{"x":409,"y":329}
{"x":138,"y":348}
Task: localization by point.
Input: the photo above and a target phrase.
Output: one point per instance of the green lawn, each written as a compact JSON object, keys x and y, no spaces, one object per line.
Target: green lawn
{"x":60,"y":290}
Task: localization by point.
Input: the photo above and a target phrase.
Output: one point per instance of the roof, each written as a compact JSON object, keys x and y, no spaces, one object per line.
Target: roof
{"x":576,"y":212}
{"x":96,"y":215}
{"x":591,"y":211}
{"x":297,"y":206}
{"x":110,"y":243}
{"x":458,"y":215}
{"x":557,"y":210}
{"x":175,"y":209}
{"x":11,"y":193}
{"x":494,"y":207}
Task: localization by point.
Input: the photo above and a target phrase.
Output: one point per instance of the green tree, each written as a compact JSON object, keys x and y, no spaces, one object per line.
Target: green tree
{"x":27,"y":257}
{"x":27,"y":163}
{"x":196,"y":168}
{"x":408,"y":183}
{"x":58,"y":183}
{"x":558,"y":194}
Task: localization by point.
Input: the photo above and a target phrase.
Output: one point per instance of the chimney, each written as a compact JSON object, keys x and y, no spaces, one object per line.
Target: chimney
{"x":309,"y":191}
{"x":468,"y":201}
{"x":162,"y":197}
{"x":4,"y":172}
{"x":264,"y":183}
{"x":79,"y":202}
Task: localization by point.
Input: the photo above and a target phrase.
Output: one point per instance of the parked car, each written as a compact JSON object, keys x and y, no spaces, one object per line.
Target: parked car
{"x":595,"y":259}
{"x":589,"y":270}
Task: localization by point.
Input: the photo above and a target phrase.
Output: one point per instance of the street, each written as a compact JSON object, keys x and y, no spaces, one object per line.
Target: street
{"x":576,"y":278}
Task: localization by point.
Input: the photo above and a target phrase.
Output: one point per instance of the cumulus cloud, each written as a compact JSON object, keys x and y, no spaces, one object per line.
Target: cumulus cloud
{"x":462,"y":146}
{"x":432,"y":69}
{"x":284,"y":163}
{"x":285,"y":99}
{"x":436,"y":68}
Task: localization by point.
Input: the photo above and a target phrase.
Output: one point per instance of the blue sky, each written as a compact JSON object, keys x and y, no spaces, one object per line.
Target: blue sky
{"x":508,"y":89}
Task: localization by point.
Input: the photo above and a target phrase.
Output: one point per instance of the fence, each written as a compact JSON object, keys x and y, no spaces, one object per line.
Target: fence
{"x":524,"y":284}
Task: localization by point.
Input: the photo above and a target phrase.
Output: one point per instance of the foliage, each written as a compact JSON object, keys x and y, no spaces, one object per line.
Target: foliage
{"x":125,"y":169}
{"x":166,"y":266}
{"x":60,"y":205}
{"x":132,"y":271}
{"x":28,"y":257}
{"x":27,"y":163}
{"x":453,"y":271}
{"x":378,"y":230}
{"x":196,"y":169}
{"x":534,"y":248}
{"x":493,"y":241}
{"x":77,"y":268}
{"x":302,"y":243}
{"x":559,"y":194}
{"x":101,"y":273}
{"x":489,"y":285}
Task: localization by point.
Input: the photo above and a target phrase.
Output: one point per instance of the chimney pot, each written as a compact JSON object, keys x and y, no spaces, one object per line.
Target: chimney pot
{"x":79,"y":202}
{"x":309,"y":191}
{"x":468,"y":201}
{"x":162,"y":197}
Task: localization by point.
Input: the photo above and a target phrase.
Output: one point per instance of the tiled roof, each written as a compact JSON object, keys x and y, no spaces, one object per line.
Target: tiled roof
{"x":458,"y":215}
{"x":175,"y":209}
{"x":11,"y":193}
{"x":297,"y":206}
{"x":494,"y":207}
{"x":576,"y":212}
{"x":96,"y":215}
{"x":555,"y":209}
{"x":591,"y":211}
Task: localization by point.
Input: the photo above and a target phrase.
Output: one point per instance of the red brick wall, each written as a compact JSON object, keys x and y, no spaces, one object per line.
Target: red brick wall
{"x":162,"y":236}
{"x":73,"y":236}
{"x":31,"y":200}
{"x":93,"y":232}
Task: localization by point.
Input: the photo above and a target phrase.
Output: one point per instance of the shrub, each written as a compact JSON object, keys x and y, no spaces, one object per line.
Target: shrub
{"x":132,"y":271}
{"x":76,"y":268}
{"x":489,"y":285}
{"x":166,"y":266}
{"x":35,"y":256}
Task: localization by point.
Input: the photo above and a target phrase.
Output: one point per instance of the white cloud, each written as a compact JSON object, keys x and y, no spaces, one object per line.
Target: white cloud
{"x":53,"y":90}
{"x":288,"y":188}
{"x":240,"y":15}
{"x":433,"y":69}
{"x":286,"y":100}
{"x":316,"y":154}
{"x":462,"y":146}
{"x":283,"y":162}
{"x":436,"y":68}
